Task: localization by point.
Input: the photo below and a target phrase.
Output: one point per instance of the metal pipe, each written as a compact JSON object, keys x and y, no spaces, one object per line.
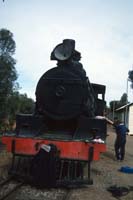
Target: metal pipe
{"x":126,"y":112}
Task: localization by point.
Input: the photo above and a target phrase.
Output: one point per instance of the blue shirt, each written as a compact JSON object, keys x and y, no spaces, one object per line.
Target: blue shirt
{"x":121,"y":131}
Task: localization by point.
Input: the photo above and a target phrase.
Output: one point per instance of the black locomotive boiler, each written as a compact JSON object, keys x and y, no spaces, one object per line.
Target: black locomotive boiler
{"x":53,"y":146}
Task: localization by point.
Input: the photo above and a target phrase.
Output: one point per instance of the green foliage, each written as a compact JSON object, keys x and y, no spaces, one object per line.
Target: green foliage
{"x":123,"y":100}
{"x":7,"y":43}
{"x":11,"y":101}
{"x":8,"y":74}
{"x":26,"y":104}
{"x":130,"y":77}
{"x":19,"y":103}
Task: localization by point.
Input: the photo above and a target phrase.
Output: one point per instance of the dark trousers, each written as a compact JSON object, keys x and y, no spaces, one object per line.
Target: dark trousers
{"x":120,"y":149}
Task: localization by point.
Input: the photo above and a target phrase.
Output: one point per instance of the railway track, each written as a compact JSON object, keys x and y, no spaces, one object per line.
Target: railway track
{"x":8,"y":187}
{"x":68,"y":194}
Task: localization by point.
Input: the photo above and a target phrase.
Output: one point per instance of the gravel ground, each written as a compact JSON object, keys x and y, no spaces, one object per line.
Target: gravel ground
{"x":105,"y":173}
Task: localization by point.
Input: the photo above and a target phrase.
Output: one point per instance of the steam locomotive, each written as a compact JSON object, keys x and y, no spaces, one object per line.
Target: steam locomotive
{"x":55,"y":145}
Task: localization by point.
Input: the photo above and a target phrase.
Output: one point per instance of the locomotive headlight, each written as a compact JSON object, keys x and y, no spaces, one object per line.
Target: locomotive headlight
{"x":63,"y":51}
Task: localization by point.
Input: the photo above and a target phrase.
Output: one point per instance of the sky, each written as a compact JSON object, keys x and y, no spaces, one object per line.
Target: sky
{"x":102,"y":29}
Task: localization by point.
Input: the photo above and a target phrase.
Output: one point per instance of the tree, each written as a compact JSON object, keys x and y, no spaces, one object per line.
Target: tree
{"x":130,"y":77}
{"x":26,"y":104}
{"x":8,"y":74}
{"x":123,"y":100}
{"x":7,"y":43}
{"x":19,"y":103}
{"x":11,"y":101}
{"x":117,"y":104}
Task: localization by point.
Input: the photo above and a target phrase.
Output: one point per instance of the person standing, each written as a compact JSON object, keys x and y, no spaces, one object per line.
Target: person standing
{"x":120,"y":142}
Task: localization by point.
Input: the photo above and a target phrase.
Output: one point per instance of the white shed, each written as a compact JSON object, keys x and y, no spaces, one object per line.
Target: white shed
{"x":125,"y":114}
